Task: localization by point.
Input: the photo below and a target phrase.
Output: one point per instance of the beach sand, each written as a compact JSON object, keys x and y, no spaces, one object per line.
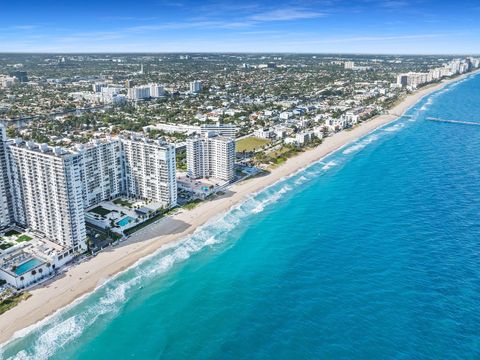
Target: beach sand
{"x":83,"y":278}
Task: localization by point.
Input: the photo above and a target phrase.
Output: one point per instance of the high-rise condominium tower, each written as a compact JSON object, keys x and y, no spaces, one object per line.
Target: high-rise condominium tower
{"x":211,"y":155}
{"x":150,"y":170}
{"x":5,"y":198}
{"x":47,"y":190}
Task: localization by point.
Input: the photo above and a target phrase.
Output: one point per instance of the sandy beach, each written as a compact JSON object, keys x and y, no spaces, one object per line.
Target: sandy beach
{"x":83,"y":278}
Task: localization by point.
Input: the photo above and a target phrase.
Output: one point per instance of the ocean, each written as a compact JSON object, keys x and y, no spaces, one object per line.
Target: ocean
{"x":372,"y":253}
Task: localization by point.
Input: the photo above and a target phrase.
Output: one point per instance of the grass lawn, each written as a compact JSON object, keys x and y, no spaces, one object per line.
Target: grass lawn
{"x":122,"y":202}
{"x":100,"y":211}
{"x":24,"y":238}
{"x":13,"y":301}
{"x":279,"y":152}
{"x":192,"y":204}
{"x":250,"y":144}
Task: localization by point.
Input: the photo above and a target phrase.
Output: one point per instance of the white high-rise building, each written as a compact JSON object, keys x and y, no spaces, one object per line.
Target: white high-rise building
{"x":227,"y":130}
{"x":349,"y":65}
{"x":157,"y":90}
{"x":47,"y":192}
{"x":101,"y":171}
{"x":47,"y":189}
{"x":402,"y":80}
{"x":98,"y":87}
{"x":7,"y":81}
{"x":146,"y":91}
{"x":150,"y":170}
{"x":5,"y":196}
{"x":139,"y":92}
{"x":211,"y":155}
{"x":412,"y":79}
{"x":196,"y":86}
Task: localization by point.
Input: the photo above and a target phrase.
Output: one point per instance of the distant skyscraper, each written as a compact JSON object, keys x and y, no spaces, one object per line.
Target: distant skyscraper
{"x":211,"y":155}
{"x":97,"y":87}
{"x":20,"y":75}
{"x":196,"y":86}
{"x":139,"y":92}
{"x":146,"y":91}
{"x":349,"y":65}
{"x":156,"y":90}
{"x":402,"y":80}
{"x":7,"y":81}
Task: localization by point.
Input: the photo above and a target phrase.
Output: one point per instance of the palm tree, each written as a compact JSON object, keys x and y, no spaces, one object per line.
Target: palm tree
{"x":34,"y":272}
{"x":21,"y":279}
{"x":89,"y":243}
{"x":40,"y":271}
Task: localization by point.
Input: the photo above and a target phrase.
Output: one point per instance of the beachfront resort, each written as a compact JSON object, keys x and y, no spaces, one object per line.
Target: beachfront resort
{"x":59,"y":203}
{"x":63,"y":200}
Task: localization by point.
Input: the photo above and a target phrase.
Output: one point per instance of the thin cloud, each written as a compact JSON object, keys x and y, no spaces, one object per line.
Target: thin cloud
{"x":207,"y":24}
{"x":24,"y":27}
{"x":394,"y":4}
{"x":18,"y":27}
{"x":286,"y":14}
{"x":128,"y":18}
{"x":375,"y":38}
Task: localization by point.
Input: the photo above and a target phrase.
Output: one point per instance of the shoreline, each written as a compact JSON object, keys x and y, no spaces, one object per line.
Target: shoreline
{"x":78,"y":281}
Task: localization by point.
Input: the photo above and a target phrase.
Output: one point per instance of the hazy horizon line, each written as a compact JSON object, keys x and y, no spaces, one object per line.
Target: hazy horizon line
{"x":230,"y":52}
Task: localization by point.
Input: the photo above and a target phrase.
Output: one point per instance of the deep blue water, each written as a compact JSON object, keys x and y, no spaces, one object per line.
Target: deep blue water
{"x":373,"y":253}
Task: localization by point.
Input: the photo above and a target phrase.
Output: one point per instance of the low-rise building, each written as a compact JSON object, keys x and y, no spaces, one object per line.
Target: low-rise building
{"x":226,"y":130}
{"x":263,"y":133}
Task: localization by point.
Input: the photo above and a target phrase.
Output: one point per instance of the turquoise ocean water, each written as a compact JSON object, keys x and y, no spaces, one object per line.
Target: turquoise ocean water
{"x":373,"y":253}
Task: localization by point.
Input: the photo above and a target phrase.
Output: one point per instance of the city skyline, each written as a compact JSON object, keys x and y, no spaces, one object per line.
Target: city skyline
{"x":362,"y":26}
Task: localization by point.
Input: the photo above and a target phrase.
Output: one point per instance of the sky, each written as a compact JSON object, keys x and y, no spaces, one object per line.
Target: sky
{"x":306,"y":26}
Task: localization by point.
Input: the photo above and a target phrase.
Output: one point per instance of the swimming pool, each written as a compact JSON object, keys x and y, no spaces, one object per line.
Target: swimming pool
{"x":27,"y":266}
{"x":125,"y":221}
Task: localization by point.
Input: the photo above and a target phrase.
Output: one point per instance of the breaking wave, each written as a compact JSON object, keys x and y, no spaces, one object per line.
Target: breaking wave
{"x":361,"y":144}
{"x":394,"y":128}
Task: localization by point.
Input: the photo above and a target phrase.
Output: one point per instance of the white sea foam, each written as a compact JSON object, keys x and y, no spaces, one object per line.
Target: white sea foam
{"x":273,"y":198}
{"x":394,"y":128}
{"x":329,"y":165}
{"x":63,"y":331}
{"x":301,"y":180}
{"x":361,"y":144}
{"x":353,"y":148}
{"x":427,"y":105}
